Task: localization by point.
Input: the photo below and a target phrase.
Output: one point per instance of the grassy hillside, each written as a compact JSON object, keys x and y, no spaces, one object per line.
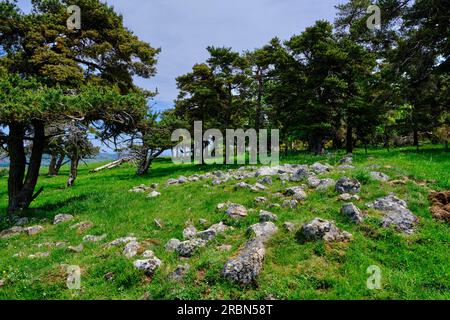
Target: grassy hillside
{"x":413,"y":267}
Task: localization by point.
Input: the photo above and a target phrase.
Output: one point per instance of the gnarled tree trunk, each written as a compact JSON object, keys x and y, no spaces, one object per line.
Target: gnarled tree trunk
{"x":20,"y":187}
{"x":73,"y":171}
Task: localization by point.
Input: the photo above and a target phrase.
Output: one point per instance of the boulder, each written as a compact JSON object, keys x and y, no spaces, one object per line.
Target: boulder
{"x":189,"y":247}
{"x":379,"y":176}
{"x":172,"y":181}
{"x":349,"y":197}
{"x":82,"y":226}
{"x":352,"y":212}
{"x":22,"y":221}
{"x":263,"y":231}
{"x":172,"y":244}
{"x":236,"y":211}
{"x":301,"y":174}
{"x":31,"y":231}
{"x":266,"y":180}
{"x":148,"y":254}
{"x":348,"y":159}
{"x":320,"y":168}
{"x":60,"y":218}
{"x":189,"y":232}
{"x":224,"y":247}
{"x":348,"y":185}
{"x":292,"y":204}
{"x":266,"y":216}
{"x":123,"y":240}
{"x":219,"y":227}
{"x":319,"y":229}
{"x":246,"y":266}
{"x":295,"y":191}
{"x":154,"y":194}
{"x":12,"y":232}
{"x":149,"y":266}
{"x":325,"y":184}
{"x":266,"y":171}
{"x":313,"y":181}
{"x":76,"y":249}
{"x":91,"y":238}
{"x":207,"y":235}
{"x":182,"y":180}
{"x":179,"y":273}
{"x":260,"y":199}
{"x":131,"y":249}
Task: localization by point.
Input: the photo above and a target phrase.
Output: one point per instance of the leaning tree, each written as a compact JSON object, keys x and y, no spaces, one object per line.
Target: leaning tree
{"x":52,"y":74}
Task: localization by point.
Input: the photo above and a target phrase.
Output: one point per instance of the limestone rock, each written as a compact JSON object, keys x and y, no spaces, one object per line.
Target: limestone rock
{"x":266,"y":216}
{"x":189,"y":232}
{"x":131,"y":249}
{"x":82,"y":226}
{"x":91,"y":238}
{"x":325,"y":184}
{"x":179,"y":273}
{"x":76,"y":249}
{"x":263,"y":230}
{"x":236,"y":211}
{"x":31,"y":231}
{"x":172,"y":244}
{"x":149,"y":266}
{"x":154,"y":194}
{"x":379,"y":176}
{"x":189,"y":247}
{"x":348,"y":185}
{"x":319,"y":229}
{"x":289,"y":226}
{"x":352,"y":212}
{"x":60,"y":218}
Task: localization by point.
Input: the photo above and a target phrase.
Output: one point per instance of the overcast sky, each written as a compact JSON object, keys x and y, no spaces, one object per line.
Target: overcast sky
{"x":184,"y":28}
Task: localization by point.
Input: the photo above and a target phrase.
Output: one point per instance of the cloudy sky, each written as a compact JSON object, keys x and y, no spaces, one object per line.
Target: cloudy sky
{"x":184,"y":28}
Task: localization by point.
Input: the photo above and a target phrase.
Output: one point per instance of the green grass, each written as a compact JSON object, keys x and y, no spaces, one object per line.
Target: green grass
{"x":413,"y":267}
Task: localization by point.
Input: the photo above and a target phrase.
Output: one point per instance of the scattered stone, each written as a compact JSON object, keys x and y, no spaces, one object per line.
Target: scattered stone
{"x":289,"y":226}
{"x":224,"y":247}
{"x":320,"y":168}
{"x":246,"y":267}
{"x":203,"y":222}
{"x":219,"y":227}
{"x":319,"y":229}
{"x":39,"y":255}
{"x":325,"y":184}
{"x":109,"y":276}
{"x":266,"y":180}
{"x":172,"y":244}
{"x":242,"y":185}
{"x":266,"y":171}
{"x":261,"y":200}
{"x":258,"y":187}
{"x":313,"y":181}
{"x":266,"y":216}
{"x":189,"y":247}
{"x":284,"y":177}
{"x":179,"y":273}
{"x":60,"y":218}
{"x":300,"y":174}
{"x":12,"y":232}
{"x":189,"y":232}
{"x":76,"y":249}
{"x":148,"y":254}
{"x":207,"y":235}
{"x":396,"y":213}
{"x":349,"y":197}
{"x":263,"y":230}
{"x":22,"y":221}
{"x":91,"y":238}
{"x":352,"y":212}
{"x":123,"y":240}
{"x":348,"y":185}
{"x":149,"y":266}
{"x":172,"y":181}
{"x":292,"y":204}
{"x":154,"y":194}
{"x":82,"y":226}
{"x":236,"y":211}
{"x":131,"y":249}
{"x":379,"y":176}
{"x":348,"y":159}
{"x":289,"y":192}
{"x":440,"y":205}
{"x":31,"y":231}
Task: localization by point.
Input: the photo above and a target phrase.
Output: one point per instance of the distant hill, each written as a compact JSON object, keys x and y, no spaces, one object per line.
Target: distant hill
{"x":103,"y":156}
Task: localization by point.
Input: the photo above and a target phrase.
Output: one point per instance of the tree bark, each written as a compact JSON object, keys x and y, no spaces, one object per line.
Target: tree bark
{"x":60,"y":163}
{"x":52,"y":166}
{"x":349,"y":140}
{"x":316,"y":145}
{"x":21,"y":192}
{"x":416,"y":139}
{"x":73,"y":171}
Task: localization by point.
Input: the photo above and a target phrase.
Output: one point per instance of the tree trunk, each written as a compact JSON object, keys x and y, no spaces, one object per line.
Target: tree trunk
{"x":60,"y":163}
{"x":52,"y":166}
{"x":316,"y":145}
{"x":73,"y":171}
{"x":349,"y":140}
{"x":416,"y":139}
{"x":21,"y":193}
{"x":144,"y":163}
